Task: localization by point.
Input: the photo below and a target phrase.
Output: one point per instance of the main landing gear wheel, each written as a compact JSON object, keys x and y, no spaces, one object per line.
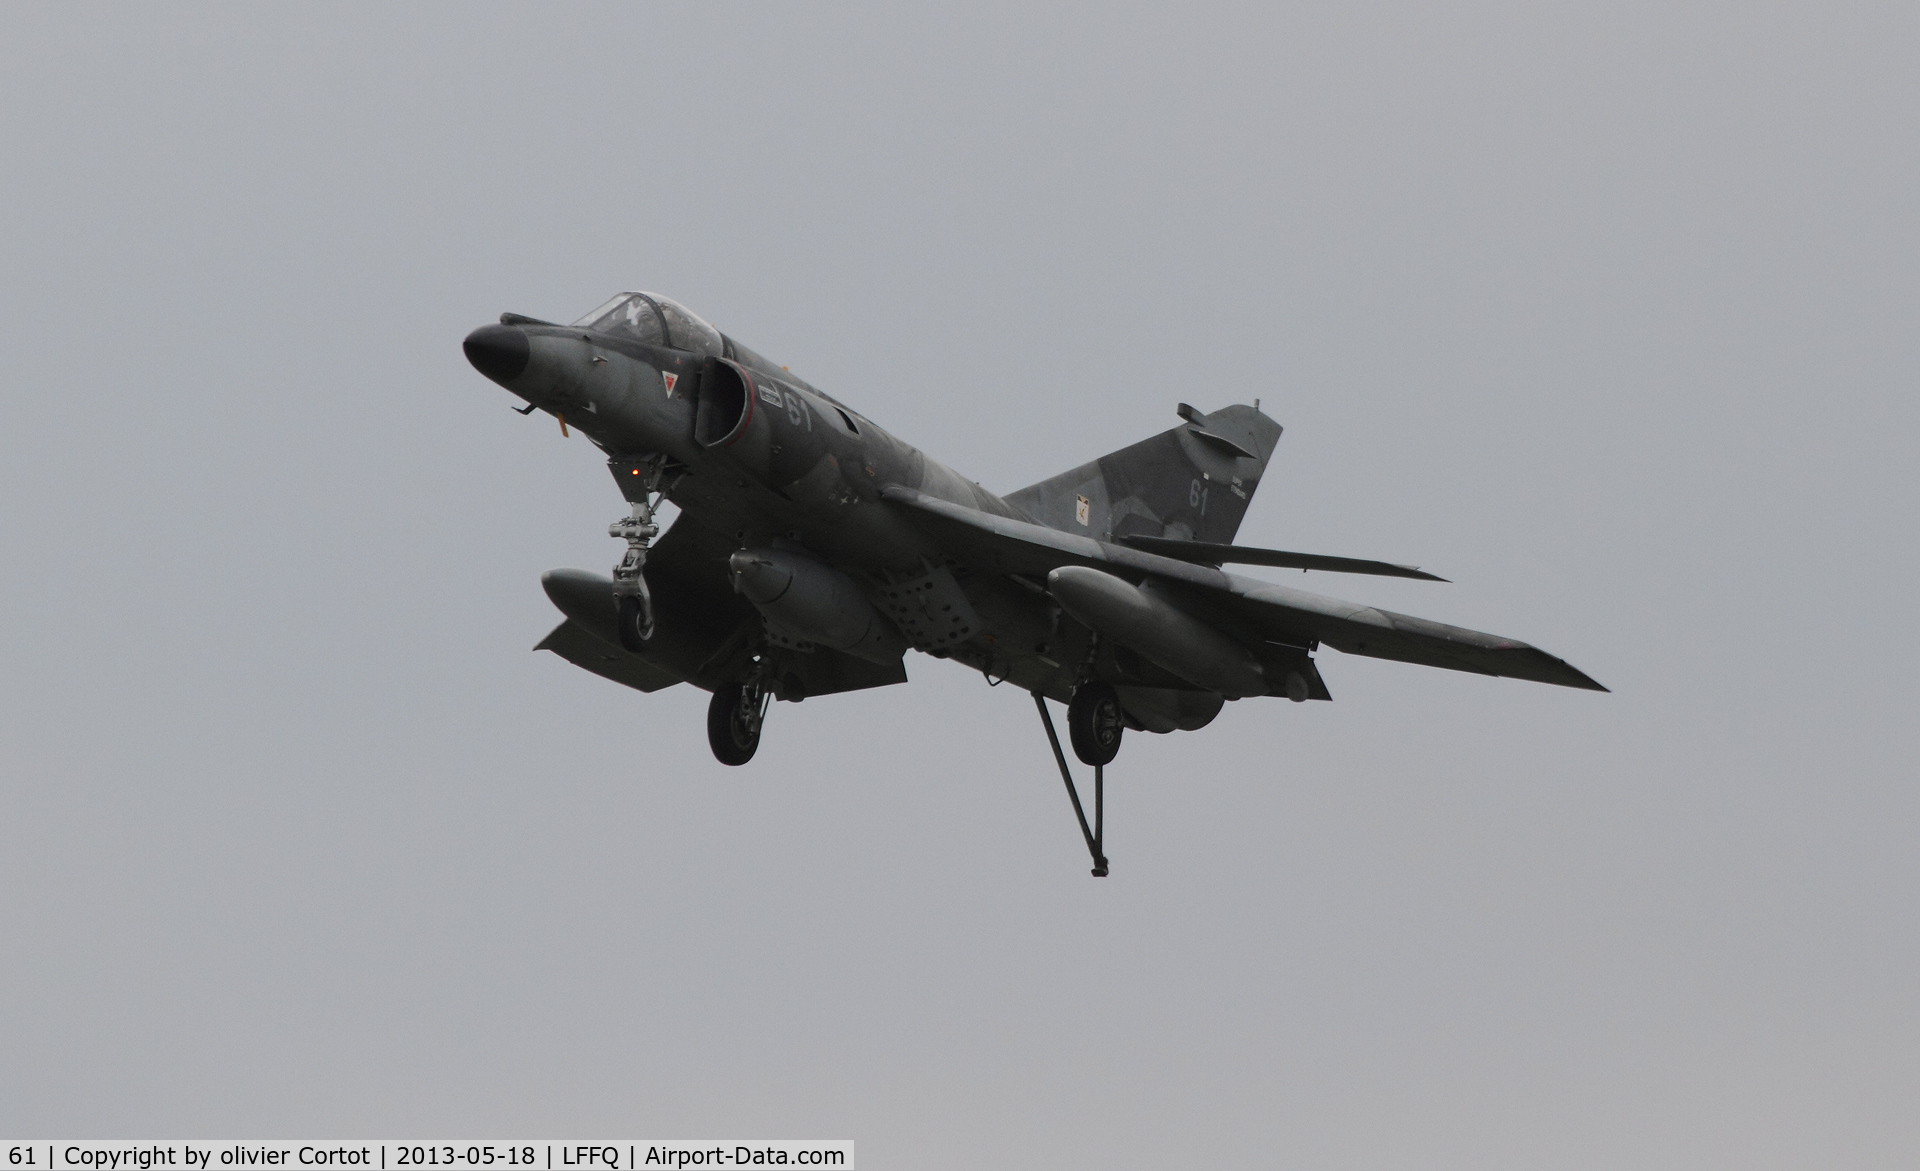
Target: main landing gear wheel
{"x":733,"y":723}
{"x":1094,"y":724}
{"x":636,"y":626}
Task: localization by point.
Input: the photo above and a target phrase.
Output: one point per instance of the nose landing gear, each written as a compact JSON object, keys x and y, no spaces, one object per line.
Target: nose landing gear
{"x":638,"y":530}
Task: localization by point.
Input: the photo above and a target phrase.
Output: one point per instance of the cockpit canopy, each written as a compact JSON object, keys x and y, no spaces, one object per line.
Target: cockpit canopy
{"x":655,"y":320}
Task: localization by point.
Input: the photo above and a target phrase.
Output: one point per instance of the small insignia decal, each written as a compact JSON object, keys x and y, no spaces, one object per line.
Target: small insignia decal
{"x":670,"y":379}
{"x":1081,"y":506}
{"x":770,"y":395}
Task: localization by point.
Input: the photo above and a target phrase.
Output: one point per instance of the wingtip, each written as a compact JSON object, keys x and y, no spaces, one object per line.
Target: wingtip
{"x":1583,"y":680}
{"x":1560,"y":673}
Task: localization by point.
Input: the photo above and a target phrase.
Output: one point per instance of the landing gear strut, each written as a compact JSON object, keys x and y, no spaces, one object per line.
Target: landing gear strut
{"x":1096,"y":833}
{"x":635,"y":622}
{"x":734,"y":717}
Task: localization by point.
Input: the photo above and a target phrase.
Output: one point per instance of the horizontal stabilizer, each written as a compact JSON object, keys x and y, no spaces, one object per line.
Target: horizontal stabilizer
{"x":1208,"y":553}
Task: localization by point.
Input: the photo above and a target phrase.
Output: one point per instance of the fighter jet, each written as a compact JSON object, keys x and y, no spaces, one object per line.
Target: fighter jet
{"x":813,"y":549}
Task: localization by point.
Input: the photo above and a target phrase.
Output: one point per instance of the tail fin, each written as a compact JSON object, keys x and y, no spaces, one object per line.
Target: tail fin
{"x":1192,"y":483}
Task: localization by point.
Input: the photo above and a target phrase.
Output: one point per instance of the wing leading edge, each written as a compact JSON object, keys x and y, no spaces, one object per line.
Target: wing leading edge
{"x":1249,"y":608}
{"x":1208,"y":553}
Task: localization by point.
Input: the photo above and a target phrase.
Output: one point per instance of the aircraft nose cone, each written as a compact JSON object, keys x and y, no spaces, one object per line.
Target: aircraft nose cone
{"x":498,"y":351}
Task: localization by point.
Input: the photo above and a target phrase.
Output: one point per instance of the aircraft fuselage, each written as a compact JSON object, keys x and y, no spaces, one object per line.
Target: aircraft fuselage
{"x":763,"y":456}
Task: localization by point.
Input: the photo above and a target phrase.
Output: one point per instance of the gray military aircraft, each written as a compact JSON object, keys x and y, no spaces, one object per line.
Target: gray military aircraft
{"x":813,"y":549}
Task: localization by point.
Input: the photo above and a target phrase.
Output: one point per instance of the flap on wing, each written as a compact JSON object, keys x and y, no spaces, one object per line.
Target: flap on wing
{"x":1241,"y":607}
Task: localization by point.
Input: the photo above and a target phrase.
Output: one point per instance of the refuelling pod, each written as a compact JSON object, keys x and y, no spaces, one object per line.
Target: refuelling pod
{"x":814,"y":602}
{"x":1138,"y":617}
{"x":768,"y":428}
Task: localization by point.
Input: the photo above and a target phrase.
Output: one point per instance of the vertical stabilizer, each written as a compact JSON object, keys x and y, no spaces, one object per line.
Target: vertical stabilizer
{"x":1193,"y":482}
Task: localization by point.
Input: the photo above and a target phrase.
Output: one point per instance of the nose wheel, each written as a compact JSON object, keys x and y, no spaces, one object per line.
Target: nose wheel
{"x":636,"y":619}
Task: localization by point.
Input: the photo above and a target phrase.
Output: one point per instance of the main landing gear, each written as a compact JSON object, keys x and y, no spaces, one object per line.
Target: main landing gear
{"x":1094,"y":724}
{"x":734,"y":718}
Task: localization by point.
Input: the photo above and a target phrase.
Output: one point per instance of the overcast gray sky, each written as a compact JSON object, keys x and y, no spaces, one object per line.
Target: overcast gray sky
{"x":1608,"y":313}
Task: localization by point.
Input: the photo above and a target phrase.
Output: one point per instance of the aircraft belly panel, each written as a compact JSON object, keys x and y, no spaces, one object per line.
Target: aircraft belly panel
{"x":930,"y":609}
